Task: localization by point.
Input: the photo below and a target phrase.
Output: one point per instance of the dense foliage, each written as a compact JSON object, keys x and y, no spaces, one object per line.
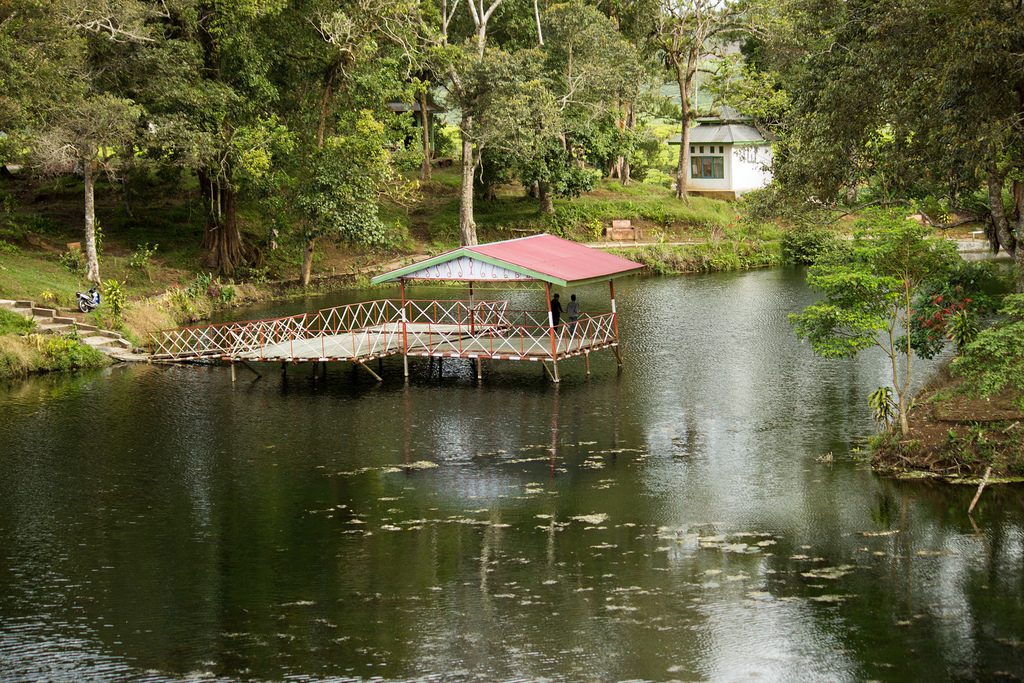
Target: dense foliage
{"x":994,"y":361}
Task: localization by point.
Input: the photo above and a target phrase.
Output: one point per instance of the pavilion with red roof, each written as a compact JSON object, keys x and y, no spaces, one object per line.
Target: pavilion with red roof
{"x":490,"y":330}
{"x":477,"y":329}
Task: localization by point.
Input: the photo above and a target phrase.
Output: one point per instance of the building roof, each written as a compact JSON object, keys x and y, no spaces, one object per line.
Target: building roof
{"x":545,"y":258}
{"x":723,"y":133}
{"x":724,"y":126}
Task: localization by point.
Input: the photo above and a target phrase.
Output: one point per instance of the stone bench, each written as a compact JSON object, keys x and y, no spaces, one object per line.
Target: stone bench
{"x":622,"y":230}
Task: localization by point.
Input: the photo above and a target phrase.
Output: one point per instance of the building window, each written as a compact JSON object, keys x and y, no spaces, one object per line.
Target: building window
{"x":707,"y":167}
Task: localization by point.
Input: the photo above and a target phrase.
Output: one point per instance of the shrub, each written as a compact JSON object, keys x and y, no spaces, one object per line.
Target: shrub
{"x":74,"y":262}
{"x":806,"y":243}
{"x":113,"y":292}
{"x":14,"y":323}
{"x":140,"y":260}
{"x":656,"y":177}
{"x":200,"y":286}
{"x":995,"y":359}
{"x":45,"y":226}
{"x":67,"y":353}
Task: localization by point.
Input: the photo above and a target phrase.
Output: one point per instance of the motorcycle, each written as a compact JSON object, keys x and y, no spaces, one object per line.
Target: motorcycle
{"x":89,"y":301}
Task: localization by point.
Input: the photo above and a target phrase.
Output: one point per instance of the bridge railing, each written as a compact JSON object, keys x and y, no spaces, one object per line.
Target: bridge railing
{"x":374,"y":328}
{"x":203,"y":341}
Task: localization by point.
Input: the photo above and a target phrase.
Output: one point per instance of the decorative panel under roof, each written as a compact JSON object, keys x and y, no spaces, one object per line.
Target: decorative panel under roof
{"x":539,"y":257}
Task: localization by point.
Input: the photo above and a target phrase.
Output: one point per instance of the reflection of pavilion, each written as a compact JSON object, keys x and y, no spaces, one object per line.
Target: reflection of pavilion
{"x":475,"y":329}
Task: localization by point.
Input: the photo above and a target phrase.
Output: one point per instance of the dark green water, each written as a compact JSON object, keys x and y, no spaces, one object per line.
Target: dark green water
{"x":671,"y":521}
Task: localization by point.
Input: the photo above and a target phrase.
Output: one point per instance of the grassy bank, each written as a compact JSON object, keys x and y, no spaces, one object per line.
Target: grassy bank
{"x":23,"y":351}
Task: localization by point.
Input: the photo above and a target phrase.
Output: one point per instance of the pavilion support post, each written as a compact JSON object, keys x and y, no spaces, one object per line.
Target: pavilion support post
{"x":551,"y":331}
{"x":405,"y":334}
{"x":586,"y":356}
{"x":615,"y":322}
{"x":232,"y":369}
{"x":479,"y":368}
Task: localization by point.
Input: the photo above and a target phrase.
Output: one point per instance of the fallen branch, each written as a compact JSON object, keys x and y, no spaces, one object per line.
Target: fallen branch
{"x":981,"y":487}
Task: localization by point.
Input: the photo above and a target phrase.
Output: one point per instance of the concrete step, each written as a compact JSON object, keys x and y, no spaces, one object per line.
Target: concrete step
{"x":46,"y":328}
{"x":43,"y":312}
{"x":96,"y":341}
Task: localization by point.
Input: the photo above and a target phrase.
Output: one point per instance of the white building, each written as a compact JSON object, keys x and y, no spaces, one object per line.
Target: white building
{"x":728,"y":156}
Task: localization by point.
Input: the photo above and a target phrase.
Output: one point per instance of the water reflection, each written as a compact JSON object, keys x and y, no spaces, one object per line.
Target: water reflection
{"x":669,"y":521}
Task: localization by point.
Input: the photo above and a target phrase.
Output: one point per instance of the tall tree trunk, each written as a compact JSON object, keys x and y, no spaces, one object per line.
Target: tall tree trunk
{"x":624,"y":170}
{"x":467,"y":227}
{"x":684,"y":142}
{"x":547,"y":202}
{"x":536,"y":14}
{"x":1004,"y":225}
{"x":425,"y":129}
{"x":1017,"y":228}
{"x":91,"y":257}
{"x":307,"y":261}
{"x":222,"y":240}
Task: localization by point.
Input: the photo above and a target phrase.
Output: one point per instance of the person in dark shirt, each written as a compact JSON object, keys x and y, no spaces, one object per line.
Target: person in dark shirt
{"x":556,"y":311}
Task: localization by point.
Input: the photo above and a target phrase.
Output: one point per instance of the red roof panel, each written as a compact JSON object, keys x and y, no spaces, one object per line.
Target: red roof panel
{"x":557,"y":258}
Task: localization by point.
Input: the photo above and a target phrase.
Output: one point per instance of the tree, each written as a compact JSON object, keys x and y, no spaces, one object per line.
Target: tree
{"x":869,"y":292}
{"x":467,"y":88}
{"x":208,"y":76}
{"x":86,"y":134}
{"x":345,"y":179}
{"x":40,"y":63}
{"x":58,"y":104}
{"x":596,"y":77}
{"x":995,"y":359}
{"x":357,"y":57}
{"x":689,"y":32}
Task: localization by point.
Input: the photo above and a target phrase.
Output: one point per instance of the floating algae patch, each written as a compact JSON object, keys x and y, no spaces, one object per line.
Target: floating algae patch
{"x":418,"y":465}
{"x":594,"y":519}
{"x":830,"y":573}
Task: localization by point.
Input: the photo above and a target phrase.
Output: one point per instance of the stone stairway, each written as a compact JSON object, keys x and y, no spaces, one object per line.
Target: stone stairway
{"x":49,"y":321}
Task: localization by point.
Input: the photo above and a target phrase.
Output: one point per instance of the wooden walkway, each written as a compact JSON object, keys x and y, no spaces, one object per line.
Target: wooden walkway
{"x":359,"y":333}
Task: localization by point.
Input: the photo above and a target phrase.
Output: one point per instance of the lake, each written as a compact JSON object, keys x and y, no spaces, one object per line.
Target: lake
{"x":705,"y":513}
